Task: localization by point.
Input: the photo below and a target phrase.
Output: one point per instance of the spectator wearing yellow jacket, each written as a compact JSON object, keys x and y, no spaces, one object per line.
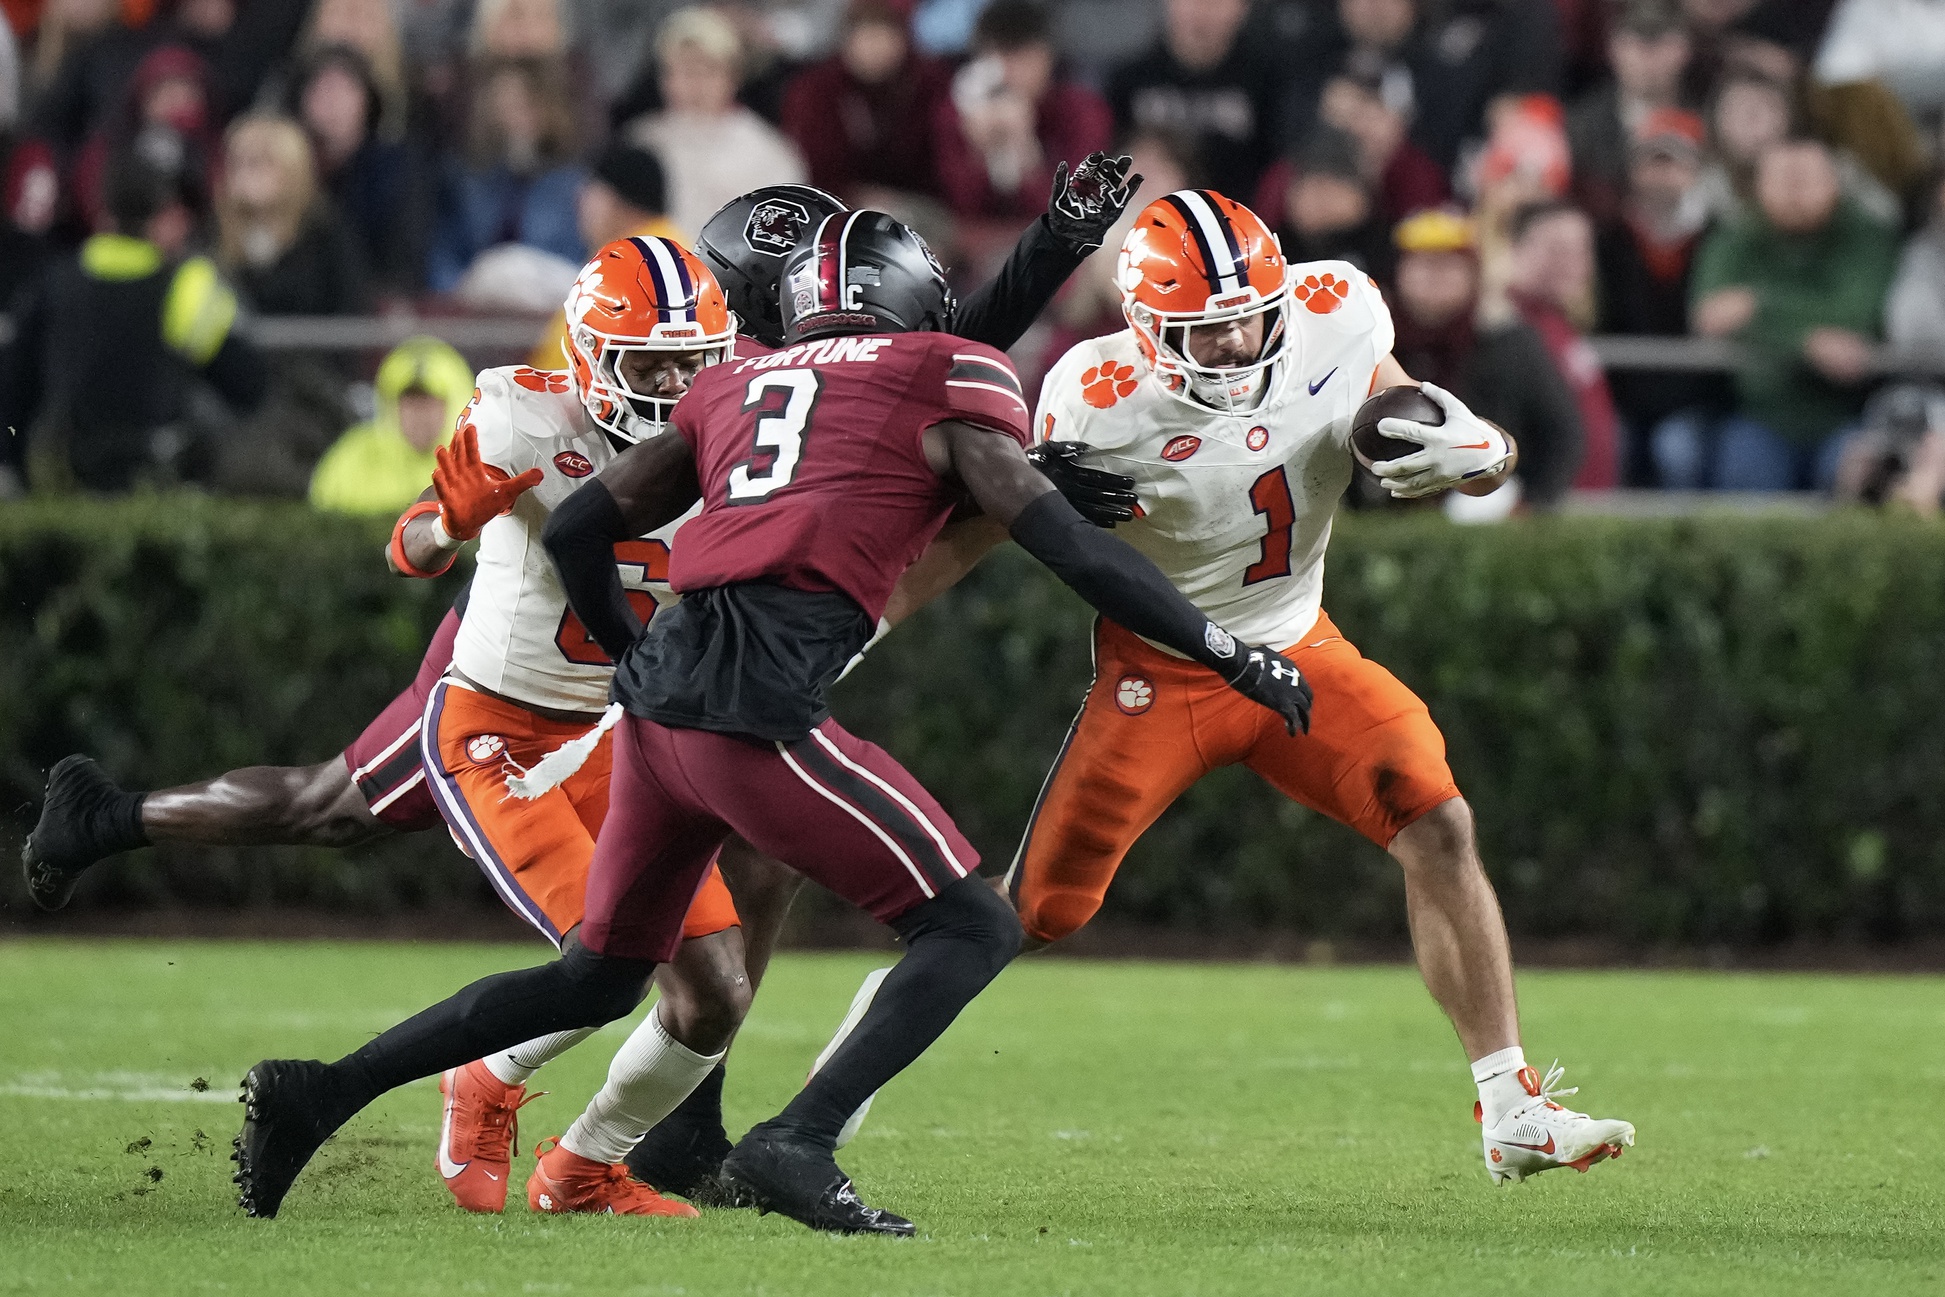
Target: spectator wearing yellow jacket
{"x":383,"y":465}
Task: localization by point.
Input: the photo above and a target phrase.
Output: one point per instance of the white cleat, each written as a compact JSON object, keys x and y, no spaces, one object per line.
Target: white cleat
{"x":1540,"y":1134}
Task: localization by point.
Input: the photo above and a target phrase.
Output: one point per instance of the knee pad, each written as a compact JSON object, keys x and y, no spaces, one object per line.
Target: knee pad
{"x":969,"y":911}
{"x":602,"y":988}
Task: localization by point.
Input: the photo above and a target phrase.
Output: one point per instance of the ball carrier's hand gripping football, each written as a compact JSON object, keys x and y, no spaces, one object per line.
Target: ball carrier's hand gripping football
{"x":1461,"y":448}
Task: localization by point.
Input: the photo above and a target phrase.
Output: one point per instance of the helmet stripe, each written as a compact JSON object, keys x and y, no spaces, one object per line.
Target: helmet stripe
{"x":672,"y":287}
{"x":1214,"y":237}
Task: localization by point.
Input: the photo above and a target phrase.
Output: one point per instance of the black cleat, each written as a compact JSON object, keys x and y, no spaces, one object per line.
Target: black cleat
{"x":290,"y":1107}
{"x":85,"y":817}
{"x":684,"y":1155}
{"x":802,"y":1181}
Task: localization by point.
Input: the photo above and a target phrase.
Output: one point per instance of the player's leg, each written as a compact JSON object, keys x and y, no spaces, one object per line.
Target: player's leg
{"x":677,"y":1049}
{"x":842,"y":812}
{"x":1375,"y":761}
{"x":1126,"y":757}
{"x":376,"y":787}
{"x":1129,"y":754}
{"x":649,"y":862}
{"x":684,"y":1151}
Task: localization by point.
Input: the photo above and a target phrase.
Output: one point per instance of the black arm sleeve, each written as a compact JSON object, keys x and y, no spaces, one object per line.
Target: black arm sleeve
{"x":580,"y":537}
{"x":999,"y":312}
{"x":1124,"y":586}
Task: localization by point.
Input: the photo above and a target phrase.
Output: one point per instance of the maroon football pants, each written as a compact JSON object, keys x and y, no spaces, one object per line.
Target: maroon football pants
{"x":831,"y":806}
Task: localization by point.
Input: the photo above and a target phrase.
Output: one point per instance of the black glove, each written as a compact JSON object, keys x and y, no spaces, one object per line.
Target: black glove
{"x":1101,"y":497}
{"x":1085,"y":204}
{"x":1265,"y":676}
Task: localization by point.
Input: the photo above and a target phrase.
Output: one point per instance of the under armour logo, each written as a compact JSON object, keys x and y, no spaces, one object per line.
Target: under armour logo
{"x":1282,"y":669}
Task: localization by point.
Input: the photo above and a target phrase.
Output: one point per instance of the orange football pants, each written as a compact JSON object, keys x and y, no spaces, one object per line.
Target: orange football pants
{"x":534,"y":852}
{"x":1153,"y":724}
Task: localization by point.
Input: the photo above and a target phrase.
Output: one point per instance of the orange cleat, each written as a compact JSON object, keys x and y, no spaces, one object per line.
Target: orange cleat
{"x":476,"y":1135}
{"x":565,"y":1181}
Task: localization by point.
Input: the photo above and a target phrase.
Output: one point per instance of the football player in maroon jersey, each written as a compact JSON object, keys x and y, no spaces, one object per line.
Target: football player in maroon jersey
{"x":823,"y":470}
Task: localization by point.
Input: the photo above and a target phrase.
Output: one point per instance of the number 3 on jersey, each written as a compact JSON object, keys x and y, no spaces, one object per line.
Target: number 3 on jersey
{"x":784,"y":402}
{"x":573,"y":640}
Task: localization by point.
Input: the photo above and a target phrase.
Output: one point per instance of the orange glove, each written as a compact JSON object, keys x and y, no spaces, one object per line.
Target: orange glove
{"x":472,"y":494}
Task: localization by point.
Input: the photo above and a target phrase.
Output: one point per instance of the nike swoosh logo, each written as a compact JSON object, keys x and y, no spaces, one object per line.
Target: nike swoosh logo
{"x":1318,"y":386}
{"x":488,"y":1174}
{"x":1478,"y":445}
{"x":447,"y":1167}
{"x":1537,"y":1148}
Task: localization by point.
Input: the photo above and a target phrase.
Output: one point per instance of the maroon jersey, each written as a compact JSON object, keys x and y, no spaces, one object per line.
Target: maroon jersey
{"x":812,"y":469}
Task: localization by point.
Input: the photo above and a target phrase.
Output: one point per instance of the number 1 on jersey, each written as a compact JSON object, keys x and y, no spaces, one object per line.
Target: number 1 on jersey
{"x":784,"y":401}
{"x":1270,"y":495}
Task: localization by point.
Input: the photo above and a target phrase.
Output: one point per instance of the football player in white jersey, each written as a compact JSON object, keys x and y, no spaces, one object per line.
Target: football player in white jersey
{"x":1228,"y":400}
{"x":644,"y":318}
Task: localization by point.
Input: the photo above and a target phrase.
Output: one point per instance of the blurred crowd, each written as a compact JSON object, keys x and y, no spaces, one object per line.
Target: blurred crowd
{"x":1517,"y":174}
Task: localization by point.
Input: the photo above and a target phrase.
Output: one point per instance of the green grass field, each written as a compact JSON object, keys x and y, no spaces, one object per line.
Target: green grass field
{"x":1086,"y":1127}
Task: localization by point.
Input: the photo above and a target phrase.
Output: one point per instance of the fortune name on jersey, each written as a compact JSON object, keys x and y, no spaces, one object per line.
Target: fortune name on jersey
{"x":820,"y":351}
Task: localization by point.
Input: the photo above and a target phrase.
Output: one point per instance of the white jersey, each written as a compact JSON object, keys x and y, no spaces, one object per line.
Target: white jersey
{"x":518,"y":637}
{"x":1235,"y":509}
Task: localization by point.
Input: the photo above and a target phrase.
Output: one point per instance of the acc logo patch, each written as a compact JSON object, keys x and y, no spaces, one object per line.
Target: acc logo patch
{"x":484,"y":747}
{"x":1134,"y":695}
{"x":573,"y":463}
{"x":1181,"y":448}
{"x":1258,"y":437}
{"x":1104,"y":384}
{"x":774,"y":226}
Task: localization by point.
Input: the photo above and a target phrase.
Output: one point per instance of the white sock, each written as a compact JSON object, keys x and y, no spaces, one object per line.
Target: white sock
{"x":651,"y":1074}
{"x":1500,"y":1087}
{"x":517,"y":1065}
{"x":859,"y":1004}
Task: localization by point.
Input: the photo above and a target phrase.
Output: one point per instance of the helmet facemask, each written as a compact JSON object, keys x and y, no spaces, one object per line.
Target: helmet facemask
{"x":1228,"y":389}
{"x":611,"y":401}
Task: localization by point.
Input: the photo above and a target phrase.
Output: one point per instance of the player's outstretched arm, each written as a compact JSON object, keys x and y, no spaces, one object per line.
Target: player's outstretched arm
{"x":1105,"y":571}
{"x":649,"y":486}
{"x":1081,"y":210}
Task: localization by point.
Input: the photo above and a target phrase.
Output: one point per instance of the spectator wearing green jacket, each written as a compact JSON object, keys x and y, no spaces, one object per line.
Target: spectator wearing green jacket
{"x":383,"y":465}
{"x":1800,"y":282}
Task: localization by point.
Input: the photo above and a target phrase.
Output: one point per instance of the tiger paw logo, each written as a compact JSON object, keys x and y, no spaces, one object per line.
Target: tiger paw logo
{"x":1134,"y":695}
{"x":541,"y":380}
{"x":1323,"y":293}
{"x":1258,"y":437}
{"x":1496,"y":1157}
{"x":485,"y":747}
{"x":1104,"y":384}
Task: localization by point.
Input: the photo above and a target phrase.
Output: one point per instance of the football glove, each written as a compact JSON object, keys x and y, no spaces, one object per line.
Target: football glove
{"x":1101,"y":497}
{"x":1087,"y":203}
{"x":1465,"y":446}
{"x":1265,"y":676}
{"x":472,"y":493}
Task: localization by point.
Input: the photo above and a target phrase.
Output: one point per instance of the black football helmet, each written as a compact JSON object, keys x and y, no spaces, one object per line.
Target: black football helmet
{"x":863,"y":272}
{"x":746,"y":242}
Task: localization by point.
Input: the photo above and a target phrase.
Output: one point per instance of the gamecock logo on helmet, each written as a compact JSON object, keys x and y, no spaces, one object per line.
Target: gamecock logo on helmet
{"x":775,"y":225}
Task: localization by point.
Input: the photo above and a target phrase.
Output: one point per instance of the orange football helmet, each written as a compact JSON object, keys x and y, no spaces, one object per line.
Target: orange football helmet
{"x":640,"y":294}
{"x":1196,"y":257}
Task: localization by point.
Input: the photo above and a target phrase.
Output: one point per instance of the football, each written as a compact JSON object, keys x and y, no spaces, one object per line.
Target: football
{"x":1405,"y":402}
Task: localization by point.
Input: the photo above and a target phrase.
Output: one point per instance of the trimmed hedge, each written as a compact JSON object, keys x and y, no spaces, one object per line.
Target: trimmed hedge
{"x":1718,"y":729}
